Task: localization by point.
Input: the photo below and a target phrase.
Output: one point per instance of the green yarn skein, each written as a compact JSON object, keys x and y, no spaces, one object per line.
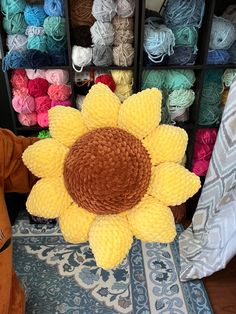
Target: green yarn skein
{"x":44,"y":134}
{"x":10,"y":7}
{"x":228,"y":77}
{"x":153,"y":78}
{"x":180,"y":99}
{"x":177,"y":79}
{"x":14,"y":24}
{"x":186,"y":36}
{"x":54,"y":26}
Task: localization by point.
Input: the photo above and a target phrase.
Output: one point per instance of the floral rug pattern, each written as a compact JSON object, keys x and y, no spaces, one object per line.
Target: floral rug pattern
{"x":63,"y":278}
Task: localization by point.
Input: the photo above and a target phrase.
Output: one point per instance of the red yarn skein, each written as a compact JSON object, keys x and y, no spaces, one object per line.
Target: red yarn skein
{"x":59,"y":92}
{"x":19,"y":79}
{"x":38,"y":87}
{"x":42,"y":119}
{"x":42,"y":104}
{"x":107,"y":80}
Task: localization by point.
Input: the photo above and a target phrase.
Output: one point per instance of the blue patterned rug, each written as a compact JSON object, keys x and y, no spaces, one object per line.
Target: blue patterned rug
{"x":63,"y":278}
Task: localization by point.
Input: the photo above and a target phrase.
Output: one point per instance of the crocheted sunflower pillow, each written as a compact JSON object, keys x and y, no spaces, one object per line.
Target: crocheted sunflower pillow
{"x":110,"y":172}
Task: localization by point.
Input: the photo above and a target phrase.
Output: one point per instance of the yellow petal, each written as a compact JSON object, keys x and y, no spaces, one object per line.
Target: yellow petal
{"x":151,"y":221}
{"x":141,"y":113}
{"x":166,"y":143}
{"x":110,"y":239}
{"x":66,"y":124}
{"x":100,"y":107}
{"x":48,"y":198}
{"x":75,"y":223}
{"x":172,"y":184}
{"x":45,"y":158}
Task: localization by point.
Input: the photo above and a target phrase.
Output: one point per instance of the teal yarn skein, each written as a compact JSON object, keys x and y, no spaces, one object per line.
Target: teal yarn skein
{"x":209,"y":114}
{"x":186,"y":36}
{"x":177,"y":79}
{"x":34,"y":15}
{"x":38,"y":42}
{"x":10,"y":7}
{"x":153,"y":78}
{"x":223,"y":33}
{"x":54,"y":26}
{"x":14,"y":24}
{"x":180,"y":99}
{"x":55,"y":46}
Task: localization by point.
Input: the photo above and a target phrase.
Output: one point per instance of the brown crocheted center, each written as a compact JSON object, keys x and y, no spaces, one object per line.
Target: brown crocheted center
{"x":107,"y":171}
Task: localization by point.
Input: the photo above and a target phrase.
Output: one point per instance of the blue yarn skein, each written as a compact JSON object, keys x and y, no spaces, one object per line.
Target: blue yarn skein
{"x":59,"y":58}
{"x":54,"y":7}
{"x":34,"y":15}
{"x":219,"y":56}
{"x":10,"y":7}
{"x":14,"y":24}
{"x":35,"y":59}
{"x":223,"y":33}
{"x":38,"y":42}
{"x":54,"y":26}
{"x":183,"y":56}
{"x":184,"y":12}
{"x":159,"y":40}
{"x":12,"y":60}
{"x":53,"y":46}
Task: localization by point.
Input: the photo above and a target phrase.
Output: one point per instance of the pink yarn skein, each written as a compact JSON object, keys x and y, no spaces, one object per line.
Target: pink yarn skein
{"x":65,"y":103}
{"x":42,"y":104}
{"x":28,"y":119}
{"x":42,"y":119}
{"x":19,"y":79}
{"x":23,"y":104}
{"x":33,"y":74}
{"x":59,"y":92}
{"x":57,"y":76}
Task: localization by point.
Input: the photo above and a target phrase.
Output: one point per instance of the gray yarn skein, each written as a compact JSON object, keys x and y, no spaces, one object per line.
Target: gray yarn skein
{"x":102,"y":55}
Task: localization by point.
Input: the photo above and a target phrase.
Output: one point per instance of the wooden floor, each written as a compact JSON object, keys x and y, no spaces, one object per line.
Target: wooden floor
{"x":221,"y":289}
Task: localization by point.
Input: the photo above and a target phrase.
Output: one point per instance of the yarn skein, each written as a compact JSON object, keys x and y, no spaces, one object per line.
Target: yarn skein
{"x":81,"y":13}
{"x":34,"y":15}
{"x":14,"y":24}
{"x":159,"y":40}
{"x":59,"y":92}
{"x":19,"y":79}
{"x":223,"y":33}
{"x":122,"y":76}
{"x":16,"y":42}
{"x":10,"y":7}
{"x":104,"y":10}
{"x":38,"y":87}
{"x":102,"y":33}
{"x":29,"y":119}
{"x":123,"y":36}
{"x":54,"y":7}
{"x":125,"y":8}
{"x":65,"y":103}
{"x":123,"y":55}
{"x":55,"y":46}
{"x":37,"y":42}
{"x":34,"y":30}
{"x":81,"y":57}
{"x":81,"y":36}
{"x":182,"y":56}
{"x":57,"y":76}
{"x":186,"y":36}
{"x":153,"y":78}
{"x":54,"y":26}
{"x":219,"y":56}
{"x":184,"y":12}
{"x":178,"y":102}
{"x":228,"y":77}
{"x":232,"y":53}
{"x":42,"y":119}
{"x":107,"y":80}
{"x":102,"y":55}
{"x":23,"y":104}
{"x":123,"y":91}
{"x":33,"y":74}
{"x":42,"y":103}
{"x":177,"y":79}
{"x":121,"y":23}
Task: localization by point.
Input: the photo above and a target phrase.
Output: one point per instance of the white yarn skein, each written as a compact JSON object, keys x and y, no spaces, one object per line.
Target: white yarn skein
{"x":125,"y":8}
{"x":16,"y":42}
{"x":104,"y":10}
{"x":81,"y":57}
{"x":33,"y":30}
{"x":102,"y":33}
